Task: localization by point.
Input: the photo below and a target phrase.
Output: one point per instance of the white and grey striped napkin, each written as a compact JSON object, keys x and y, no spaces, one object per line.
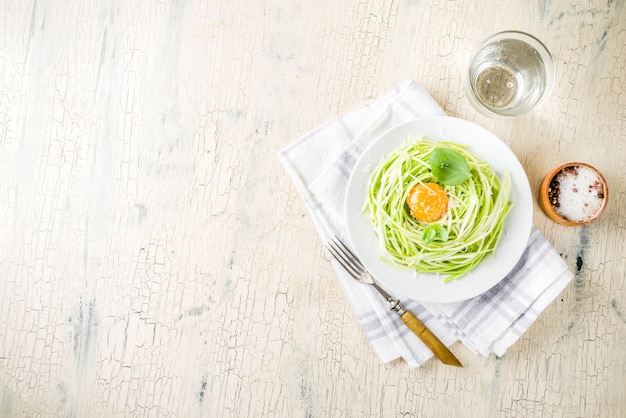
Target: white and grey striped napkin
{"x":320,"y":164}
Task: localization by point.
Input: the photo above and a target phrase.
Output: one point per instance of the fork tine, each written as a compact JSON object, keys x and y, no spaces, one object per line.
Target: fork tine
{"x":349,"y":253}
{"x":338,"y":254}
{"x":347,"y":266}
{"x":345,"y":257}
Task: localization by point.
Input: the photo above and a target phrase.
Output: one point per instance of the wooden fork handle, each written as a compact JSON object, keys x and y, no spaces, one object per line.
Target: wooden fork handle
{"x":432,"y":342}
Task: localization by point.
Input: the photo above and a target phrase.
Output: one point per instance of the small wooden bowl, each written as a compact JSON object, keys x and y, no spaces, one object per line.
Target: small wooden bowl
{"x":548,"y":208}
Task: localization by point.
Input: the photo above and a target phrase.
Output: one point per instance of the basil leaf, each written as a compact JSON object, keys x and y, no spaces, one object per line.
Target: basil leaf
{"x":435,"y":233}
{"x":429,"y":234}
{"x":448,"y":166}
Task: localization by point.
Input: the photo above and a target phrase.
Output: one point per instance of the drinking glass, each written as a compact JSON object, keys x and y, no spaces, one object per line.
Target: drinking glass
{"x":510,"y":73}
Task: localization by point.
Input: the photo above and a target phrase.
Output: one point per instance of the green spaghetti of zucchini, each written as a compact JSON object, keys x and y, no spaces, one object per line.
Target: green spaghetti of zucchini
{"x":474,"y":220}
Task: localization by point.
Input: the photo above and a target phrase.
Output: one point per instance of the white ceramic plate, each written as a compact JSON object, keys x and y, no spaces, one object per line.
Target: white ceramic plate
{"x":431,"y":287}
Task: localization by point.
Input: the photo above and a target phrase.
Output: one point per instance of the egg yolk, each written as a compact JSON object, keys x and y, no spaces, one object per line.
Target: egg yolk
{"x":427,"y":202}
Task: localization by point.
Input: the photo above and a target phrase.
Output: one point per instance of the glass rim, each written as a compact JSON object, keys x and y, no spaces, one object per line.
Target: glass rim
{"x":521,"y":35}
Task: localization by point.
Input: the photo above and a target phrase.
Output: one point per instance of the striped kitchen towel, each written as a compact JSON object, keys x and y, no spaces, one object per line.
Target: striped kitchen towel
{"x":320,"y":164}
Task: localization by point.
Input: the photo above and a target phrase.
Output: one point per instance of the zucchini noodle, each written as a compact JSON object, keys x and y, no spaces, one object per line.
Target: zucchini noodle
{"x":476,"y":212}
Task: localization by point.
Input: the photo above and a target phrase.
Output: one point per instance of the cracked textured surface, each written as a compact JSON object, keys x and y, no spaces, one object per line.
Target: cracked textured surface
{"x":156,"y":260}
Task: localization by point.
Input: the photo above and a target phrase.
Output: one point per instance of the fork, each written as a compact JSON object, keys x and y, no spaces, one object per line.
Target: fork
{"x":355,"y":268}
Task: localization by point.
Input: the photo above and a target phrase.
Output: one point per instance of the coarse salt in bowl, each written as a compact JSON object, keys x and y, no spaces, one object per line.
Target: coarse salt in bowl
{"x":573,"y":194}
